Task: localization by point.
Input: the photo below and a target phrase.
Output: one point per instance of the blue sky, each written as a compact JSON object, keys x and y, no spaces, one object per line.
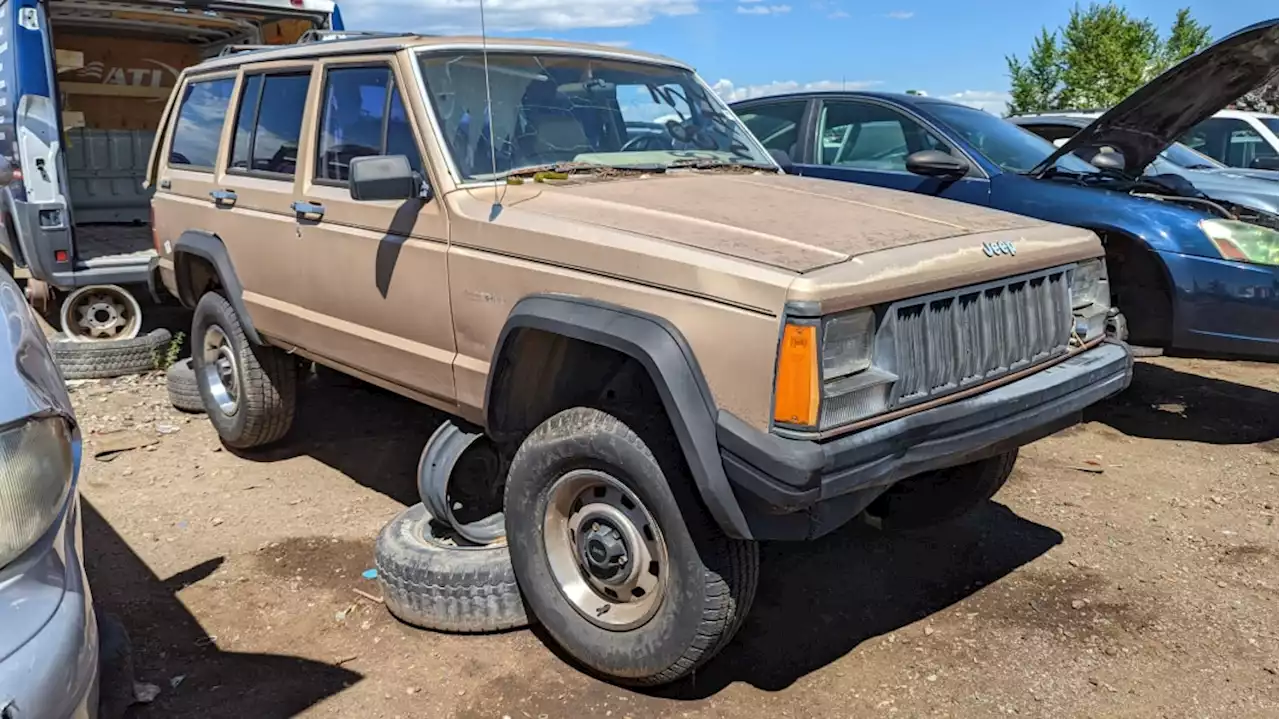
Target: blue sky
{"x":747,"y":48}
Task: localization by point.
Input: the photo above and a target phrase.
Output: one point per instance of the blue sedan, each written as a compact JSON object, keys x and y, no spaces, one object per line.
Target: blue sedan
{"x":1186,"y":273}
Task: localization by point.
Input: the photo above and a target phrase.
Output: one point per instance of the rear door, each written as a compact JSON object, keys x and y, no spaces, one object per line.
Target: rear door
{"x":381,"y":267}
{"x":868,"y":142}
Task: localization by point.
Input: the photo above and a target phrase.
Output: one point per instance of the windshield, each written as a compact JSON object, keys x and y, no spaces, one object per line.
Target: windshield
{"x":1004,"y":143}
{"x":1271,"y":123}
{"x":1184,"y":157}
{"x":555,"y":109}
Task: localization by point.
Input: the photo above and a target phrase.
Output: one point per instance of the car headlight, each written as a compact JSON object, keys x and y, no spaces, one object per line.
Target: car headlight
{"x":36,"y":464}
{"x":827,"y":384}
{"x":1089,"y":284}
{"x":1242,"y":241}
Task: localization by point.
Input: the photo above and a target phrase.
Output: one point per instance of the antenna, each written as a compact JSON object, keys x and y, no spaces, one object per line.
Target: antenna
{"x":488,"y":116}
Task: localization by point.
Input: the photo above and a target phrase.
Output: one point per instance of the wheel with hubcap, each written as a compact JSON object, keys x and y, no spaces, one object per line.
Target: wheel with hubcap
{"x":613,"y":548}
{"x":249,"y":390}
{"x":100,"y":312}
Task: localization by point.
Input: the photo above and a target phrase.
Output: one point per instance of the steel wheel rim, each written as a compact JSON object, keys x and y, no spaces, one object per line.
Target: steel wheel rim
{"x":100,"y":313}
{"x":220,"y":370}
{"x":605,"y":550}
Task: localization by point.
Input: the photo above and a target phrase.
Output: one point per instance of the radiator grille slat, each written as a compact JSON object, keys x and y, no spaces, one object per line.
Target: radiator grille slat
{"x":974,"y":335}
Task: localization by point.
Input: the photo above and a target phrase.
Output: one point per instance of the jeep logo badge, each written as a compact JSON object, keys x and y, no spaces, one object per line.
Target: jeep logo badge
{"x":991,"y":249}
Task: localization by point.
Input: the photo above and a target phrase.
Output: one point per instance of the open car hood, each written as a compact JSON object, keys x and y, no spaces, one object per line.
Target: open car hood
{"x":1146,"y":122}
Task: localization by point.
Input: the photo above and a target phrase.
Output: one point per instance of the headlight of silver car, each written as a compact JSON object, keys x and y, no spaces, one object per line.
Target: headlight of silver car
{"x":35,"y":476}
{"x":1089,"y":284}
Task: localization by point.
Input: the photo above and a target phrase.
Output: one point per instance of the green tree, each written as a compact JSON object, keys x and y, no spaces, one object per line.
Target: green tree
{"x":1098,"y":58}
{"x":1187,"y":37}
{"x":1036,"y":84}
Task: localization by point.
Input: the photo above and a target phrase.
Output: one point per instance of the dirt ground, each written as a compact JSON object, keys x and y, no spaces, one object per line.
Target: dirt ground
{"x":1129,"y":569}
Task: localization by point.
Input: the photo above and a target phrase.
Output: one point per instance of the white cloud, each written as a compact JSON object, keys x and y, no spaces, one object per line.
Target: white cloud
{"x":763,"y":9}
{"x":614,"y":43}
{"x":901,"y":14}
{"x":732,"y":93}
{"x":993,"y":101}
{"x":463,"y":16}
{"x":838,"y":15}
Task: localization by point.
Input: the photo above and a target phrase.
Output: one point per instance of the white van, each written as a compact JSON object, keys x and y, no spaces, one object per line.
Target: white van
{"x":83,"y":84}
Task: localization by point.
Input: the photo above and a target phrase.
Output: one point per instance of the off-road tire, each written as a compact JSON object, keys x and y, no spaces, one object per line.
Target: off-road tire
{"x":432,"y":582}
{"x":712,"y":578}
{"x":266,"y":377}
{"x":109,"y":358}
{"x":941,"y":496}
{"x":184,"y":391}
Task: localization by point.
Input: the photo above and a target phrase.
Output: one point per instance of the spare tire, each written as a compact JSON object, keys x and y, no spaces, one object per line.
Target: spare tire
{"x":430,"y":581}
{"x":184,"y":392}
{"x":109,"y":358}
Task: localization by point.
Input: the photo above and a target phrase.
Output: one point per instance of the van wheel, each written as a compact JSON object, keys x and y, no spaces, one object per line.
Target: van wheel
{"x":249,"y":391}
{"x":616,"y":557}
{"x":941,"y":496}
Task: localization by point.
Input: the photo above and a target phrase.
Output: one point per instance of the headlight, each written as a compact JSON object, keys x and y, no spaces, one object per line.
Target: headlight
{"x":1089,"y":284}
{"x":847,"y":341}
{"x":35,"y":476}
{"x":1242,"y":241}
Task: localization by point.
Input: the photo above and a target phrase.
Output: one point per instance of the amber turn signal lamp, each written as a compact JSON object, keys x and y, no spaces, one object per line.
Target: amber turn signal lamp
{"x":795,"y":392}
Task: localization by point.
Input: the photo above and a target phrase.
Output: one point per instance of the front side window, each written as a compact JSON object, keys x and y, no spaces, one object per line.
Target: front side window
{"x":555,"y":109}
{"x":870,"y":137}
{"x":362,"y":115}
{"x":199,"y":125}
{"x":269,"y":125}
{"x":776,"y":124}
{"x":1229,"y":140}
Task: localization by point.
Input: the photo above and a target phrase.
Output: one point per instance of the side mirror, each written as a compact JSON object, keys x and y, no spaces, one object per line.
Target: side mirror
{"x":1265,"y":163}
{"x":383,"y":177}
{"x":1113,"y":160}
{"x":782,"y":158}
{"x":936,"y":163}
{"x":6,"y":172}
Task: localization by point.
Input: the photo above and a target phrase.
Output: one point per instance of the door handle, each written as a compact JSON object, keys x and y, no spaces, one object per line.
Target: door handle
{"x":309,"y":208}
{"x":223,"y":197}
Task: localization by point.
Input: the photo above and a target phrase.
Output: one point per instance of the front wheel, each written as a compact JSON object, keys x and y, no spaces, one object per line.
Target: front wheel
{"x":614,"y":554}
{"x":249,"y":390}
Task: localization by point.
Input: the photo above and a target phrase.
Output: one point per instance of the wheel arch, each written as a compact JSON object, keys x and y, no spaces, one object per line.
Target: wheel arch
{"x":199,"y":259}
{"x":656,"y":346}
{"x":1130,"y":259}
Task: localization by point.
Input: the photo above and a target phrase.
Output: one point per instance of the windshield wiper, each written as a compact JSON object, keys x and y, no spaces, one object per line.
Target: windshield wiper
{"x":1199,"y":166}
{"x":705,"y":163}
{"x":562,"y":170}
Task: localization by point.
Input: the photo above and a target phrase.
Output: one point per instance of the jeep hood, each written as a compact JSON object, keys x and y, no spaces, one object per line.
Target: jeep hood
{"x":1154,"y":116}
{"x":793,"y":223}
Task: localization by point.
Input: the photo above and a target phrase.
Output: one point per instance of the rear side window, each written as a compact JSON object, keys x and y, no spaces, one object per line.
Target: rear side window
{"x":269,"y":123}
{"x":199,"y":126}
{"x":362,"y":115}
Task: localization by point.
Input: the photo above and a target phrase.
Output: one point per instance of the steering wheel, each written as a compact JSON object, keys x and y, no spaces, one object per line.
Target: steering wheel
{"x":647,"y":141}
{"x":691,"y":134}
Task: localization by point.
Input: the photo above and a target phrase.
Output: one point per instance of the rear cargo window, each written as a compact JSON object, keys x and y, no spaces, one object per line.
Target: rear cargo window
{"x":268,"y":126}
{"x":195,"y":139}
{"x":362,"y":115}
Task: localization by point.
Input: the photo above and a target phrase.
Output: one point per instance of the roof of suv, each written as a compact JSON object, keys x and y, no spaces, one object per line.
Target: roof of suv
{"x":392,"y":43}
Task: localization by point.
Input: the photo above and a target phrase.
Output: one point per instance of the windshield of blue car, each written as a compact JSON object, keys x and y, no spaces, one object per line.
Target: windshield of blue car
{"x":1271,"y":123}
{"x":1188,"y":159}
{"x":1003,"y":143}
{"x":578,"y":112}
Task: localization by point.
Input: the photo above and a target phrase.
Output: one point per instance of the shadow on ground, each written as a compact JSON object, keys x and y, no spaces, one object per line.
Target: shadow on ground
{"x":168,"y":641}
{"x":1163,"y":403}
{"x":373,"y":436}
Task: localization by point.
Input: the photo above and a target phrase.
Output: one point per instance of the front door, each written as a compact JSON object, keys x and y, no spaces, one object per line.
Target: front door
{"x":869,"y":143}
{"x":379,"y":269}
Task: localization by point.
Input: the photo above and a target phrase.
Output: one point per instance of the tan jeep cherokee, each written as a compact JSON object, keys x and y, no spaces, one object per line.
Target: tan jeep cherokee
{"x":677,"y":349}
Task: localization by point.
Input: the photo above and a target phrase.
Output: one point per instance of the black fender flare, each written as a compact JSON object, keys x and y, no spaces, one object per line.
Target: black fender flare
{"x":209,"y":247}
{"x":665,"y":355}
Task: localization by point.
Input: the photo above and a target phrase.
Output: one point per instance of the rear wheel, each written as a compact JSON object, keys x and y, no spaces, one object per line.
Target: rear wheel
{"x":100,"y":312}
{"x":615,"y":555}
{"x":941,"y":496}
{"x":249,"y":390}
